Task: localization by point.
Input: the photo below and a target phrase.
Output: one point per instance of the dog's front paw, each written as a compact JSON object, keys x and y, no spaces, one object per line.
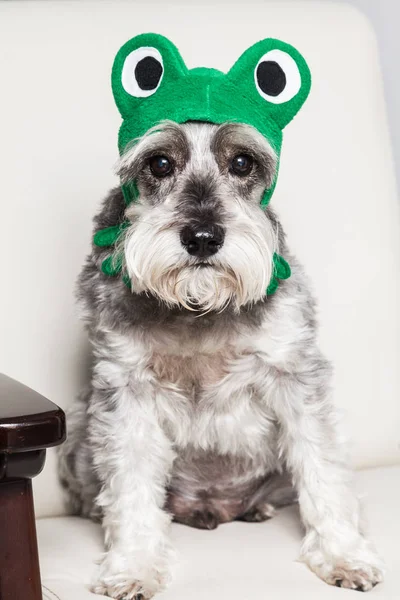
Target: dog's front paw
{"x":120,"y":588}
{"x":359,"y":570}
{"x":128,"y":579}
{"x":350,"y":574}
{"x":361,"y":579}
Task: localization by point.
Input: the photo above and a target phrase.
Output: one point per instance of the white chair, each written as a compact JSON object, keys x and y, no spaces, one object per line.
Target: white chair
{"x":336,"y":196}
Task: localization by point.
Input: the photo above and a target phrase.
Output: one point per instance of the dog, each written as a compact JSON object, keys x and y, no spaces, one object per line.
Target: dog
{"x":209,"y":400}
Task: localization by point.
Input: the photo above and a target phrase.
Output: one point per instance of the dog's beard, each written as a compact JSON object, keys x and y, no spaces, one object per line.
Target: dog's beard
{"x":237,"y":275}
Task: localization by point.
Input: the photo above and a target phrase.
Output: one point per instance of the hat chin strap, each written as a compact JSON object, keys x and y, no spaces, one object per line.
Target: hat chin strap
{"x":130,"y":192}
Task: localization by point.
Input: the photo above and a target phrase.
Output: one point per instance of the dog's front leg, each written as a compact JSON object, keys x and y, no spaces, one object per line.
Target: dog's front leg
{"x":334,"y":546}
{"x":133,"y":458}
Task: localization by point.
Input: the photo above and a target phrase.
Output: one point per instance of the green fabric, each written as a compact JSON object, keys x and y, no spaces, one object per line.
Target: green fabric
{"x":281,"y":271}
{"x":112,"y":265}
{"x":130,"y":192}
{"x":109,"y":235}
{"x":201,"y":94}
{"x":205,"y":94}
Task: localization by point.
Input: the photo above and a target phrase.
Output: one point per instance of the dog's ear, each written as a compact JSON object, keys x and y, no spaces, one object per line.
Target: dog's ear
{"x":276,"y":77}
{"x":141,"y":69}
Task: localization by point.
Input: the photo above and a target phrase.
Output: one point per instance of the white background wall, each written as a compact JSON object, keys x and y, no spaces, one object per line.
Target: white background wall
{"x":385,"y":18}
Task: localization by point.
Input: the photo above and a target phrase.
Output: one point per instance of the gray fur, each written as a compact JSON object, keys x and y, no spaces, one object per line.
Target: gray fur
{"x":209,"y":401}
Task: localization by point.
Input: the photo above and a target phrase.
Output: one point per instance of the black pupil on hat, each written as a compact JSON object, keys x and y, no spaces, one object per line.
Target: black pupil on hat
{"x":271,"y":78}
{"x":148,"y":73}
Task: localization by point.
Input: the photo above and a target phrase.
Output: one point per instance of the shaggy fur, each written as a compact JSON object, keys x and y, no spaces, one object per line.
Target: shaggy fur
{"x":208,"y":400}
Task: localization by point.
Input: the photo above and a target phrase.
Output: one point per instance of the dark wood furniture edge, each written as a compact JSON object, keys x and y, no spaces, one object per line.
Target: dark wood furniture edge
{"x":29,"y":423}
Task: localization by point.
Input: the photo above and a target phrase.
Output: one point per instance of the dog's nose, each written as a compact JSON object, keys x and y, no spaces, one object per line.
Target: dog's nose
{"x":202,"y":241}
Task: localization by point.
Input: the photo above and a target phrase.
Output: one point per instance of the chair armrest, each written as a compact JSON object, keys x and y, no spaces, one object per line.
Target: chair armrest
{"x":28,"y":421}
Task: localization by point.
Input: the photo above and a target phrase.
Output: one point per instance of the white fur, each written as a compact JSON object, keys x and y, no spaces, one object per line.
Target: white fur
{"x":134,"y":446}
{"x":256,"y":393}
{"x":156,"y":260}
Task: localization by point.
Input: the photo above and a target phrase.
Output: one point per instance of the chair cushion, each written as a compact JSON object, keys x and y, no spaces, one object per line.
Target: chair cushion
{"x":237,"y":561}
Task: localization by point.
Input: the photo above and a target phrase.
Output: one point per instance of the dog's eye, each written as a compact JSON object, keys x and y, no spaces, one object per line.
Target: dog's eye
{"x":277,"y":77}
{"x":241,"y":165}
{"x":142,"y":72}
{"x":160,"y":166}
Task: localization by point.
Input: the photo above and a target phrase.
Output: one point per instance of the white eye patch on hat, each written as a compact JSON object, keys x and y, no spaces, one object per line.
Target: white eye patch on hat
{"x":277,"y":77}
{"x":142,"y":72}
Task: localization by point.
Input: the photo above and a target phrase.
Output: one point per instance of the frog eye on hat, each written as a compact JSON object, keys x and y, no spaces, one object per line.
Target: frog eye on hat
{"x":145,"y":69}
{"x":275,"y":80}
{"x":142,"y":72}
{"x":277,"y":77}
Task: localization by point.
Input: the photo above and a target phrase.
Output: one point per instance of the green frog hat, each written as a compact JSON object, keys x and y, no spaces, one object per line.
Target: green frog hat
{"x":265,"y":88}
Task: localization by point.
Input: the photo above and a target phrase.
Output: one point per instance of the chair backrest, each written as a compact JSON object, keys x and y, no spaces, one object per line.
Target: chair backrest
{"x":336,"y":191}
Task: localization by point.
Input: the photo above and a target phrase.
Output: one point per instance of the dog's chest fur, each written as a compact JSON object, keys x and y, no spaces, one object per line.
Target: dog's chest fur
{"x":203,"y":387}
{"x":224,"y":436}
{"x":215,"y":402}
{"x":193,"y":372}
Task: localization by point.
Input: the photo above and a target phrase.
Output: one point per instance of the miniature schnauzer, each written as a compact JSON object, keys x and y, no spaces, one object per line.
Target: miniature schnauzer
{"x":209,"y":400}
